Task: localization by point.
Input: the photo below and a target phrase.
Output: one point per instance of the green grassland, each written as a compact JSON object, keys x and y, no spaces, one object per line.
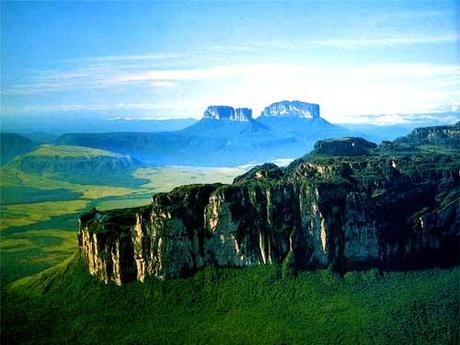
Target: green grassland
{"x":23,"y":194}
{"x":78,"y":165}
{"x":163,"y":179}
{"x":64,"y":305}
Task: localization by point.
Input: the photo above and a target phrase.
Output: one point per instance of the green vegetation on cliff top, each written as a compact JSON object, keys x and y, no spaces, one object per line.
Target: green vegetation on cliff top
{"x":64,"y":151}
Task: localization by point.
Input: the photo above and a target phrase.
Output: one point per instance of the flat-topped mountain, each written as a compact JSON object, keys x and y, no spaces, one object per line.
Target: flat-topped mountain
{"x":344,"y":147}
{"x":78,"y":165}
{"x":292,"y":109}
{"x":348,"y":212}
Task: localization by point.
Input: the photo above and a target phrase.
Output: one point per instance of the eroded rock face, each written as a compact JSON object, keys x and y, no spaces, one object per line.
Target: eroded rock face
{"x":343,"y":212}
{"x":226,"y":113}
{"x":292,"y":109}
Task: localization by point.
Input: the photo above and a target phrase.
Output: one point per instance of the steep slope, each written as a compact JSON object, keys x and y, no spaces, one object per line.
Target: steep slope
{"x":77,"y":164}
{"x":347,"y":205}
{"x":12,"y":145}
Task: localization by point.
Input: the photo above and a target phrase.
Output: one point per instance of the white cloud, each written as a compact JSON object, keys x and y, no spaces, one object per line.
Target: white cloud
{"x":342,"y":91}
{"x":98,"y":107}
{"x":386,"y":41}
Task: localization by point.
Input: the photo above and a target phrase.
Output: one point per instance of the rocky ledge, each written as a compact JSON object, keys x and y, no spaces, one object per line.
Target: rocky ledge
{"x":348,"y":212}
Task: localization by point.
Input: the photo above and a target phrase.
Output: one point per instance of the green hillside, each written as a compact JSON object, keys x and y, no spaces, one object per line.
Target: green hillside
{"x":78,"y":165}
{"x":64,"y":305}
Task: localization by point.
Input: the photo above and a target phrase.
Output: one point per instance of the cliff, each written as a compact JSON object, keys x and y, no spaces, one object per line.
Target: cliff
{"x":346,"y":212}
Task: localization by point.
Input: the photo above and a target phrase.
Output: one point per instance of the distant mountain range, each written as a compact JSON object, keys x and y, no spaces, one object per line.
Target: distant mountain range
{"x":46,"y":127}
{"x":224,"y":136}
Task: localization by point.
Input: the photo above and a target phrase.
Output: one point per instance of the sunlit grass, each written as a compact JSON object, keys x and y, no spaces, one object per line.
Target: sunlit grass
{"x":66,"y":151}
{"x":14,"y":177}
{"x":163,"y":179}
{"x":29,"y":252}
{"x":26,"y":214}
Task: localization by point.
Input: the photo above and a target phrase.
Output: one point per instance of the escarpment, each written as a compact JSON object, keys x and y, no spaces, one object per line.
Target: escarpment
{"x":347,"y":212}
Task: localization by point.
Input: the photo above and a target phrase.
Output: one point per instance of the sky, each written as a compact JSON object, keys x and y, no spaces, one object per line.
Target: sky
{"x":173,"y":59}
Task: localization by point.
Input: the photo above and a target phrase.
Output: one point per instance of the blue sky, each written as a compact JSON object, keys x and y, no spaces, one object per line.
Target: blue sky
{"x":173,"y":59}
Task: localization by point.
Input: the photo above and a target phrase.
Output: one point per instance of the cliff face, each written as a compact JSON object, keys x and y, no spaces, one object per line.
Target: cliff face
{"x":292,"y":109}
{"x":226,"y":113}
{"x":323,"y":210}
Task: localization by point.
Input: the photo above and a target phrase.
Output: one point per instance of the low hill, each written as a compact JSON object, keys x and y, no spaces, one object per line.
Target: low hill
{"x":78,"y":165}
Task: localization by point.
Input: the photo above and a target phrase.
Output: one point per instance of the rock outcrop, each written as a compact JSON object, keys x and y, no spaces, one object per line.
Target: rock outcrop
{"x":292,"y":109}
{"x":344,"y":147}
{"x":439,"y":135}
{"x":226,"y":113}
{"x":344,"y":212}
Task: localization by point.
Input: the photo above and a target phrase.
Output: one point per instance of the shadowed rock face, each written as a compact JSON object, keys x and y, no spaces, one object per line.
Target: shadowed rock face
{"x":378,"y":210}
{"x":226,"y":113}
{"x":292,"y":109}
